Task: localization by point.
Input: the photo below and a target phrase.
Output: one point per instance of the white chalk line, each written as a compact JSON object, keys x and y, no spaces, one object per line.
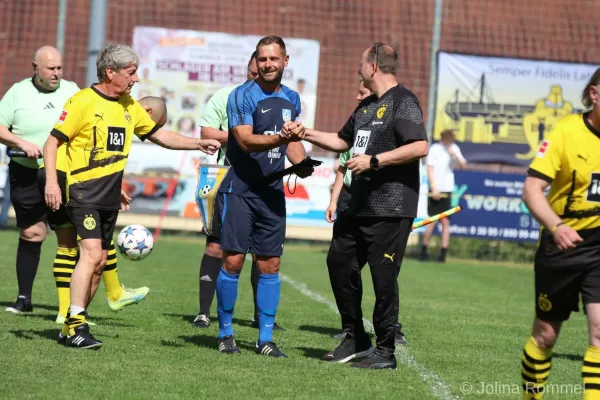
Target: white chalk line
{"x":440,"y":389}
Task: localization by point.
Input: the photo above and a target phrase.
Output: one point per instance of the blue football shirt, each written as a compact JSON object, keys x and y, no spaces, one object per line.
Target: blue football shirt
{"x":248,"y":104}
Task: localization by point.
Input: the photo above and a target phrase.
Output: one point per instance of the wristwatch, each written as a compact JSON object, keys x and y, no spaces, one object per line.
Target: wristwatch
{"x":374,"y":163}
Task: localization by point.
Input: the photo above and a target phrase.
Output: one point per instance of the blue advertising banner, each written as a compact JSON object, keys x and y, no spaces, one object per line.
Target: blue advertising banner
{"x":491,"y":207}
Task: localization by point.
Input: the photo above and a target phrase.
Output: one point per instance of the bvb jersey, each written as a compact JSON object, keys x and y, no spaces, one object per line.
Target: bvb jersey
{"x":569,"y":159}
{"x":29,"y":112}
{"x":99,"y":130}
{"x":379,"y":125}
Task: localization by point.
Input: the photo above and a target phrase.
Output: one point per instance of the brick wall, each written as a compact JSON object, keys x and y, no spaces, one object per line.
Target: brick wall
{"x":550,"y":29}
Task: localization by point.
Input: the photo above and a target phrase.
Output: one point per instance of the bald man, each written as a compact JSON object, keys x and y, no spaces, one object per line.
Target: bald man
{"x":156,"y":107}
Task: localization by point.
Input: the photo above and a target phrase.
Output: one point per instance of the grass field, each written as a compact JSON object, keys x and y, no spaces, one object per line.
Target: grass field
{"x":465,"y":324}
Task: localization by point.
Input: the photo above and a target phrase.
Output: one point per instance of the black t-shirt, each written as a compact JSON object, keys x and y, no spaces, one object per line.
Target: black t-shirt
{"x":379,"y":125}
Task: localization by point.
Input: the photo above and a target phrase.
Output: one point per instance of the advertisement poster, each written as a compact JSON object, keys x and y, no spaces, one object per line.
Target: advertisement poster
{"x":491,"y":208}
{"x":502,"y":108}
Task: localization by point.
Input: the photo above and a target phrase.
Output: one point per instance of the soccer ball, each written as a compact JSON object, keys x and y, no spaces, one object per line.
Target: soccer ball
{"x":206,"y":190}
{"x":135,"y":242}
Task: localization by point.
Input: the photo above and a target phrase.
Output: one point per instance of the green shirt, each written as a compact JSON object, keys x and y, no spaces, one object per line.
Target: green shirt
{"x":30,"y":112}
{"x":215,"y":115}
{"x":344,"y":157}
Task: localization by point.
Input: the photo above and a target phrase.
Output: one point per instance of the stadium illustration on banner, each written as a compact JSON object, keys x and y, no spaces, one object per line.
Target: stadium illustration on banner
{"x":501,"y":108}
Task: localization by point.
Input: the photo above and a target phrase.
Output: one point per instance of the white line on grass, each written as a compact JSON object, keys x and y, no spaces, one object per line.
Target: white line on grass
{"x":439,"y":388}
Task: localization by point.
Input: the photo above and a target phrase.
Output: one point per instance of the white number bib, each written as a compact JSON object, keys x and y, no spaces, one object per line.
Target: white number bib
{"x":361,"y":142}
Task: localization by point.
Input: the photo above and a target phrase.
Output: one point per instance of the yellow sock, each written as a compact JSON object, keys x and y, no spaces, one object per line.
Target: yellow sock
{"x":74,"y":322}
{"x":535,"y":369}
{"x":110,"y":276}
{"x":590,"y":372}
{"x":64,"y":263}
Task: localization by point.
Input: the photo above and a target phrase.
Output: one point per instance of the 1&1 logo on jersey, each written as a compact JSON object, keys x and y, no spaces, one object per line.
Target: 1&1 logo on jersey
{"x":593,"y":194}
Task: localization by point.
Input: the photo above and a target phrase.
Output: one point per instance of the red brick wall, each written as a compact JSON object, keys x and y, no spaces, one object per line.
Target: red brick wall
{"x":550,"y":29}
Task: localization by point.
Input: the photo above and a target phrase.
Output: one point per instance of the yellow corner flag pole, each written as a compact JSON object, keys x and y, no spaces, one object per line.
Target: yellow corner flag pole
{"x":429,"y":220}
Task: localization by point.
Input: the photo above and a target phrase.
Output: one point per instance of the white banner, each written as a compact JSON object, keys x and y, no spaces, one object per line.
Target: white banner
{"x":187,"y":67}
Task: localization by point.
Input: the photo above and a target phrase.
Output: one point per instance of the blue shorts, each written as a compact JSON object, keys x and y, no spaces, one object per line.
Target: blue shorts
{"x":253,"y":224}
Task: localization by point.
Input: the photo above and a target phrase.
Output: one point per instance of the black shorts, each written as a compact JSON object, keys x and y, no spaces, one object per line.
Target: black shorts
{"x":343,"y":199}
{"x":91,"y":223}
{"x":28,"y":202}
{"x":561,"y":278}
{"x":215,"y":234}
{"x":435,"y":207}
{"x":378,"y":241}
{"x":58,"y":218}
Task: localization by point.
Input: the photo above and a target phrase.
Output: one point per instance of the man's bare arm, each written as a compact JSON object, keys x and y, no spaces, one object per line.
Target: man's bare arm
{"x":251,"y":143}
{"x":206,"y":132}
{"x":326,"y":140}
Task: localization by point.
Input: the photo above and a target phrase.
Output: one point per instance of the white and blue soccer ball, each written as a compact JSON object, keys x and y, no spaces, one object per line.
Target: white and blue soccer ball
{"x":135,"y":242}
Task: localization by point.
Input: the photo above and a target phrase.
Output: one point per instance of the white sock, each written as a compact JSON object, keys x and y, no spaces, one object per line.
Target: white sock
{"x":75,"y":310}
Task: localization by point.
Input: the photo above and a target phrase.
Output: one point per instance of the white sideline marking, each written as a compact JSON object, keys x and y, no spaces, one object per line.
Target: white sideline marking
{"x":440,"y":389}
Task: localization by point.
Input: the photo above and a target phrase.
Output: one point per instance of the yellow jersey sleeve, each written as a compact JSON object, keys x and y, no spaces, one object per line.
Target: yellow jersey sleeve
{"x":144,"y":125}
{"x":548,"y":159}
{"x":70,"y":121}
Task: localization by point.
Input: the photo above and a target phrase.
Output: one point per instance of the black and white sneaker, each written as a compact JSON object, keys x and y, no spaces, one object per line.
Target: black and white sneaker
{"x":227,"y":345}
{"x":348,"y":350}
{"x":22,"y":305}
{"x":201,"y":321}
{"x":269,"y":349}
{"x":276,"y":327}
{"x":379,"y":359}
{"x":400,"y":339}
{"x":83,"y":339}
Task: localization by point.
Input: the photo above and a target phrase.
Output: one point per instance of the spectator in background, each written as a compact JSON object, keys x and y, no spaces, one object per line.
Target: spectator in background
{"x":443,"y":158}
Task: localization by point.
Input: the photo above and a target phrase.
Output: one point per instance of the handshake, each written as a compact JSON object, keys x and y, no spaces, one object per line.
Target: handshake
{"x":293,"y":131}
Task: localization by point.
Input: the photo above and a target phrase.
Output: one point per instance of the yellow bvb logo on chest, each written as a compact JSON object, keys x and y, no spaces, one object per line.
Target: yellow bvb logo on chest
{"x":89,"y":223}
{"x":543,"y":303}
{"x":127,"y":116}
{"x":381,"y":111}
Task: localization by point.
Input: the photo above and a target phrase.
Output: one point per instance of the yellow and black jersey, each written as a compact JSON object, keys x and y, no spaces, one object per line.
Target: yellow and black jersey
{"x":569,"y":159}
{"x":98,"y":130}
{"x":61,"y":158}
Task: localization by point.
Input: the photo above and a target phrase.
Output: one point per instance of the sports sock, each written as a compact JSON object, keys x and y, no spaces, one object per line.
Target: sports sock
{"x":535,"y":369}
{"x":267,"y":299}
{"x":443,"y":252}
{"x":227,"y":288}
{"x":209,"y":272}
{"x":64,"y":263}
{"x":75,"y":319}
{"x":113,"y":287}
{"x":254,"y":281}
{"x":590,"y":372}
{"x":423,"y":254}
{"x":28,"y":259}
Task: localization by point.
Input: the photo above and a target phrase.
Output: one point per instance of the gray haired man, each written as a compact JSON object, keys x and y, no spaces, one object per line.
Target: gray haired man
{"x":98,"y":124}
